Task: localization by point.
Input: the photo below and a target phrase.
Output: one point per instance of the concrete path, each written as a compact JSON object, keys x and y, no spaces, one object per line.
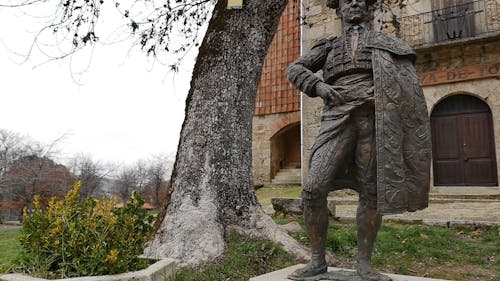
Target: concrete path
{"x":478,"y":204}
{"x":454,"y":211}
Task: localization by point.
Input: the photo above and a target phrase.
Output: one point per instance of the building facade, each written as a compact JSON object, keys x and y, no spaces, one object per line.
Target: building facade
{"x":276,"y":121}
{"x":458,"y":62}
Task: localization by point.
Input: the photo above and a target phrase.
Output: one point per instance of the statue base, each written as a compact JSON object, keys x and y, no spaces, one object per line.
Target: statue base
{"x":339,"y":273}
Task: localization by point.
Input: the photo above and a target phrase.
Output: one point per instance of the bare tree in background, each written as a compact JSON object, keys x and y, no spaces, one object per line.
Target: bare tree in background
{"x":159,"y":171}
{"x":28,"y":168}
{"x":91,"y":173}
{"x":12,"y":147}
{"x":212,"y":188}
{"x":34,"y":175}
{"x":125,"y":183}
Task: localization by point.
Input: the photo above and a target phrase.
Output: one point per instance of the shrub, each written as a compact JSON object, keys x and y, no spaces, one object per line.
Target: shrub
{"x":71,"y":238}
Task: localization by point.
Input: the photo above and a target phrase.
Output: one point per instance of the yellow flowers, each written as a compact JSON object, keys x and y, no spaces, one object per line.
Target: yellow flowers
{"x":112,"y":256}
{"x":82,"y":237}
{"x":73,"y":194}
{"x":36,"y":202}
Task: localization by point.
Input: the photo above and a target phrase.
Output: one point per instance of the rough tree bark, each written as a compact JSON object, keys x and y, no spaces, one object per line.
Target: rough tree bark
{"x":212,"y":188}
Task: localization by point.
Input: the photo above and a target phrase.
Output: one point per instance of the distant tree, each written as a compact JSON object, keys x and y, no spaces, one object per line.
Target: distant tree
{"x":211,"y":186}
{"x":27,"y":169}
{"x":12,"y":147}
{"x":91,"y":174}
{"x":34,"y":175}
{"x":133,"y":178}
{"x":158,"y":173}
{"x":125,"y":183}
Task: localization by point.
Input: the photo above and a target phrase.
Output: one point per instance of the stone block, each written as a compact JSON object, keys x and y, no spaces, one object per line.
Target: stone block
{"x":291,"y":228}
{"x":314,"y":10}
{"x":293,"y":206}
{"x":287,"y":206}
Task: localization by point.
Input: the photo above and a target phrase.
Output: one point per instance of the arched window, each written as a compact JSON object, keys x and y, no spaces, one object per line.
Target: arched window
{"x":463,"y":142}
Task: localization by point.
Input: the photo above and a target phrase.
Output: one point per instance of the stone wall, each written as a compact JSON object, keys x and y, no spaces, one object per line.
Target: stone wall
{"x":264,"y":128}
{"x":460,"y":55}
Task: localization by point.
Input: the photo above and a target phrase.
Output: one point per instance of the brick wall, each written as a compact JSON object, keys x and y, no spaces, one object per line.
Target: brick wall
{"x":275,"y":94}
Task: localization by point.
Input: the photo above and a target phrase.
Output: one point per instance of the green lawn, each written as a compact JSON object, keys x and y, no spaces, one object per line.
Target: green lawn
{"x":409,"y":249}
{"x":453,"y":254}
{"x":419,"y":250}
{"x":9,"y":248}
{"x":244,"y":258}
{"x":265,"y":194}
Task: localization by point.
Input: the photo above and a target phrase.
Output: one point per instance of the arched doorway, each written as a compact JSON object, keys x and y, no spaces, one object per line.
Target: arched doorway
{"x":285,"y":154}
{"x":463,"y":142}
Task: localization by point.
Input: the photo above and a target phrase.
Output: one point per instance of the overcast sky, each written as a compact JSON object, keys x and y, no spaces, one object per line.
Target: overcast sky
{"x":127,"y":108}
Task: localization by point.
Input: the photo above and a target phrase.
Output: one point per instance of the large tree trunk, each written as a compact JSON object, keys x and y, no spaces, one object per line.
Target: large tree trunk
{"x":212,"y":188}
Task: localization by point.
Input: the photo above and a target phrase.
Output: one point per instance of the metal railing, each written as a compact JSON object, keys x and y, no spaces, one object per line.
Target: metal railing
{"x":468,"y":20}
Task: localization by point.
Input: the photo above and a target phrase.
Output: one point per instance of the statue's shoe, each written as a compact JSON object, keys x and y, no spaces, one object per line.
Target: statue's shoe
{"x":372,"y":275}
{"x":305,"y":273}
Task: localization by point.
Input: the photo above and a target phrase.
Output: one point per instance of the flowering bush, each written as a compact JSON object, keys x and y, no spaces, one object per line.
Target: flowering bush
{"x":71,"y":238}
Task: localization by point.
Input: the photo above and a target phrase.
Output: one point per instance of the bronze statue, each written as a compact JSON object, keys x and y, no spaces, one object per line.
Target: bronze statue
{"x":374,"y":135}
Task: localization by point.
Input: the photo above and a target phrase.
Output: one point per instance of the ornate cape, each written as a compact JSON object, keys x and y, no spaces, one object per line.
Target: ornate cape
{"x":402,"y":128}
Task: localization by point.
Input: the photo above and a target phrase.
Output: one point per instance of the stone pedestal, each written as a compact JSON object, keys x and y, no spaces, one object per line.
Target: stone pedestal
{"x":281,"y":275}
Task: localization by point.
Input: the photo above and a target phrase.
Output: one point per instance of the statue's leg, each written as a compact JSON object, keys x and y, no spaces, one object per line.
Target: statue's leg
{"x":325,"y":162}
{"x":368,"y":221}
{"x":367,"y":218}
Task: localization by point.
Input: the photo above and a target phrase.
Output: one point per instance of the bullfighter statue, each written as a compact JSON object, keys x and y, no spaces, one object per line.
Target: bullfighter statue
{"x":374,"y":136}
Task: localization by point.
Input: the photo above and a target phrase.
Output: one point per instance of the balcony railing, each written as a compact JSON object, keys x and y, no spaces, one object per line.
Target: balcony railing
{"x":469,"y":20}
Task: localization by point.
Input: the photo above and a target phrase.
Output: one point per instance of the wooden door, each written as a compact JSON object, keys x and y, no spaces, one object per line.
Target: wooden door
{"x":475,"y":131}
{"x":463,"y":146}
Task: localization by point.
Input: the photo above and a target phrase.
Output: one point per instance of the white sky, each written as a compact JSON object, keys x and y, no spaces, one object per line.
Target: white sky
{"x":128,"y":107}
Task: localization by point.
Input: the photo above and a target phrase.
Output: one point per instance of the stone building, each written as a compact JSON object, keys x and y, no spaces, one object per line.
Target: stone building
{"x":458,"y":61}
{"x":276,"y":121}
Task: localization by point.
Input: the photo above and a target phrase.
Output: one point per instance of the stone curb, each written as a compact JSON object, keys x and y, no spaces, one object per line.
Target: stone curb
{"x":156,"y":272}
{"x":355,"y":201}
{"x":14,"y":223}
{"x":428,"y":222}
{"x":431,"y":200}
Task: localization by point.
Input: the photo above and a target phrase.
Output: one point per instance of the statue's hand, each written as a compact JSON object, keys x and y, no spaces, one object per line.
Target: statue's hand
{"x":329,"y":94}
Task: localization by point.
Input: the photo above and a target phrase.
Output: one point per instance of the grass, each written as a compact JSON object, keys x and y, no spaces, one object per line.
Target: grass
{"x":410,"y":249}
{"x":439,"y":252}
{"x":419,"y":250}
{"x":265,"y":194}
{"x":244,"y":258}
{"x":9,"y":248}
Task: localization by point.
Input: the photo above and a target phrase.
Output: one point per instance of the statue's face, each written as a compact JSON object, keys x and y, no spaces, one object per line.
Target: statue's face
{"x":353,"y":11}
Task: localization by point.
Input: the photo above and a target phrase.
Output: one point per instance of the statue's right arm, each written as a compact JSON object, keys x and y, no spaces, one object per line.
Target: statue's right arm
{"x":301,"y":72}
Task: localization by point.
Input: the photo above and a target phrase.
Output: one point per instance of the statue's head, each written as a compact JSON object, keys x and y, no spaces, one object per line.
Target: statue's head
{"x":352,"y":11}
